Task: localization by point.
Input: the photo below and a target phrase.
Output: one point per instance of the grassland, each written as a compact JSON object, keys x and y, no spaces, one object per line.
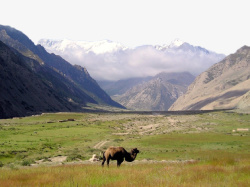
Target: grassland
{"x":175,"y":150}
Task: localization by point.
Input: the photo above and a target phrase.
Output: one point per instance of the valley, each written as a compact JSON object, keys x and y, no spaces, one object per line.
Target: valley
{"x":165,"y":140}
{"x":161,"y":87}
{"x":70,"y":120}
{"x":155,"y":93}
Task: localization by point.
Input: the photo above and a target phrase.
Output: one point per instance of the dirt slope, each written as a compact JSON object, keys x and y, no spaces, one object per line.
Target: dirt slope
{"x":220,"y":87}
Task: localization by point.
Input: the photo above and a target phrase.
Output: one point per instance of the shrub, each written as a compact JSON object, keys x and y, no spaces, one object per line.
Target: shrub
{"x":1,"y":164}
{"x":74,"y":157}
{"x":27,"y":162}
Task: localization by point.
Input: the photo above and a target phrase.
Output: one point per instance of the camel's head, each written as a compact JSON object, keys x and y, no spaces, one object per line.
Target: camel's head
{"x":135,"y":150}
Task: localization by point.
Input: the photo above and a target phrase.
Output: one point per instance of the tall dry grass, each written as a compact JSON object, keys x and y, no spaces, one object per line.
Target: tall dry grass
{"x":141,"y":174}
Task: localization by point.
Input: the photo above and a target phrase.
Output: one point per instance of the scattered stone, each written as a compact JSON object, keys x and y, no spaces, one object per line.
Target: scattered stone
{"x":241,"y":129}
{"x":94,"y":158}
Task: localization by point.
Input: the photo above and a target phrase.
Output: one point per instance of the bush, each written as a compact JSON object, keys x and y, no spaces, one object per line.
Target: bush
{"x":1,"y":164}
{"x":74,"y":157}
{"x":27,"y":162}
{"x":118,"y":140}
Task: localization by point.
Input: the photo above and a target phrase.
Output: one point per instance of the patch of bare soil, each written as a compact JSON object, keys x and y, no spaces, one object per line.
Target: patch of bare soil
{"x":147,"y":128}
{"x":133,"y":124}
{"x":51,"y":161}
{"x":96,"y":161}
{"x":121,"y":133}
{"x":58,"y":159}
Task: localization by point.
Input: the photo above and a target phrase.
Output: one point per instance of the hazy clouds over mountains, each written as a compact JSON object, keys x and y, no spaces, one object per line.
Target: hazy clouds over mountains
{"x":107,"y":60}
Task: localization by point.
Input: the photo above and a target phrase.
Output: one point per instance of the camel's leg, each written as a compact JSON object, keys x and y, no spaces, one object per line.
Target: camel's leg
{"x":119,"y":162}
{"x":108,"y":159}
{"x":103,"y":161}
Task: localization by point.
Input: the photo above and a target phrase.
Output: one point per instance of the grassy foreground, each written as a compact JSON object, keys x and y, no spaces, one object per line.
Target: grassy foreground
{"x":209,"y":149}
{"x":157,"y":174}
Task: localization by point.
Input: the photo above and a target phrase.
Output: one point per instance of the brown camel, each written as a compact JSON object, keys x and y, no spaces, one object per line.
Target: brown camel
{"x":119,"y":153}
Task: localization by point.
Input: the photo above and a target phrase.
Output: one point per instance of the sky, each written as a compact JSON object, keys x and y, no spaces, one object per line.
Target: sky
{"x":218,"y":25}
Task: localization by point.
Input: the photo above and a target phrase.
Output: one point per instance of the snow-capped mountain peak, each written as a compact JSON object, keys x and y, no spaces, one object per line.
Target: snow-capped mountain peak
{"x":176,"y":43}
{"x":97,"y":47}
{"x":112,"y":61}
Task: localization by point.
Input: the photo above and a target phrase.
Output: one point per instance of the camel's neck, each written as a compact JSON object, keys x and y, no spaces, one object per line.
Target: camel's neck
{"x":129,"y":157}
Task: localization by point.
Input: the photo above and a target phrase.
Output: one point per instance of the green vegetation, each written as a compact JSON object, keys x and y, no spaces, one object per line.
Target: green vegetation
{"x":157,"y":174}
{"x":196,"y":148}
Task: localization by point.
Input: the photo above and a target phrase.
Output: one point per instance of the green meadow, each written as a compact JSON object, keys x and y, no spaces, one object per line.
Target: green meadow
{"x":208,"y":149}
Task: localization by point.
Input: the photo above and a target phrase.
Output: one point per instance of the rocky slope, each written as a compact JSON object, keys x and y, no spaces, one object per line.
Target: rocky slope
{"x":222,"y":86}
{"x":244,"y":103}
{"x":72,"y":84}
{"x":156,"y":94}
{"x":23,"y":92}
{"x":121,"y":86}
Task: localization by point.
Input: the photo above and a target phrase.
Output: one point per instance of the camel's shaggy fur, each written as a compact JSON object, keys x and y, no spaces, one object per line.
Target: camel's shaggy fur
{"x":119,"y":153}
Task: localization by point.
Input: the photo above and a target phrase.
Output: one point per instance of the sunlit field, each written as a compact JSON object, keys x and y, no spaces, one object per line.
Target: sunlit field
{"x":153,"y":174}
{"x":209,"y":149}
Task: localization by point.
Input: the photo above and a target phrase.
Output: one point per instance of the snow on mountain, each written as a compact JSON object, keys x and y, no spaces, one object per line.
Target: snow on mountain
{"x":174,"y":44}
{"x":178,"y":46}
{"x":107,"y":60}
{"x":97,"y":47}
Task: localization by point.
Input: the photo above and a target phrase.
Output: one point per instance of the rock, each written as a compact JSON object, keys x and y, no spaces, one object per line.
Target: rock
{"x":94,"y":158}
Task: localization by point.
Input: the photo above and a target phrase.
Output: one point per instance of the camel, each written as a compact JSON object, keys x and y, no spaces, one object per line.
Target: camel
{"x":119,"y":153}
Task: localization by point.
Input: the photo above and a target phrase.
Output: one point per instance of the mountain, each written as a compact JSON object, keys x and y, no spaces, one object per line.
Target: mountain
{"x":71,"y":83}
{"x":225,"y":85}
{"x":244,"y":103}
{"x":156,"y":94}
{"x":23,"y":92}
{"x":98,"y":47}
{"x":121,"y":86}
{"x":107,"y":60}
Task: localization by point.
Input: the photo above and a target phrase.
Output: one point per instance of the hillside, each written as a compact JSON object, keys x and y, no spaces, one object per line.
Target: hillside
{"x":222,"y":86}
{"x":156,"y":94}
{"x":22,"y":91}
{"x":121,"y":86}
{"x":71,"y":83}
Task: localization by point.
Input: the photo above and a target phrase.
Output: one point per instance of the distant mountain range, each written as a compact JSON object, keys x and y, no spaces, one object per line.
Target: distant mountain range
{"x":143,"y":78}
{"x":225,"y":85}
{"x":33,"y":81}
{"x":128,"y":75}
{"x":156,"y":93}
{"x":97,"y":47}
{"x":107,"y":60}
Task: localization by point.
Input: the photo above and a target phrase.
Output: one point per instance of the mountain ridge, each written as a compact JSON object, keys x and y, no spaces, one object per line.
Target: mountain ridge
{"x":157,"y":93}
{"x":71,"y":83}
{"x":92,"y":46}
{"x":220,"y":86}
{"x":23,"y":92}
{"x":140,"y":61}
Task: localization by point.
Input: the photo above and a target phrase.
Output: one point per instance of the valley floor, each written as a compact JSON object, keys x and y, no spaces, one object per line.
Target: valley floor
{"x":214,"y":173}
{"x":195,"y":149}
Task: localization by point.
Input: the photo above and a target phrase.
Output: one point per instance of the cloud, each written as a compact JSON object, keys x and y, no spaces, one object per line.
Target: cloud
{"x":140,"y":62}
